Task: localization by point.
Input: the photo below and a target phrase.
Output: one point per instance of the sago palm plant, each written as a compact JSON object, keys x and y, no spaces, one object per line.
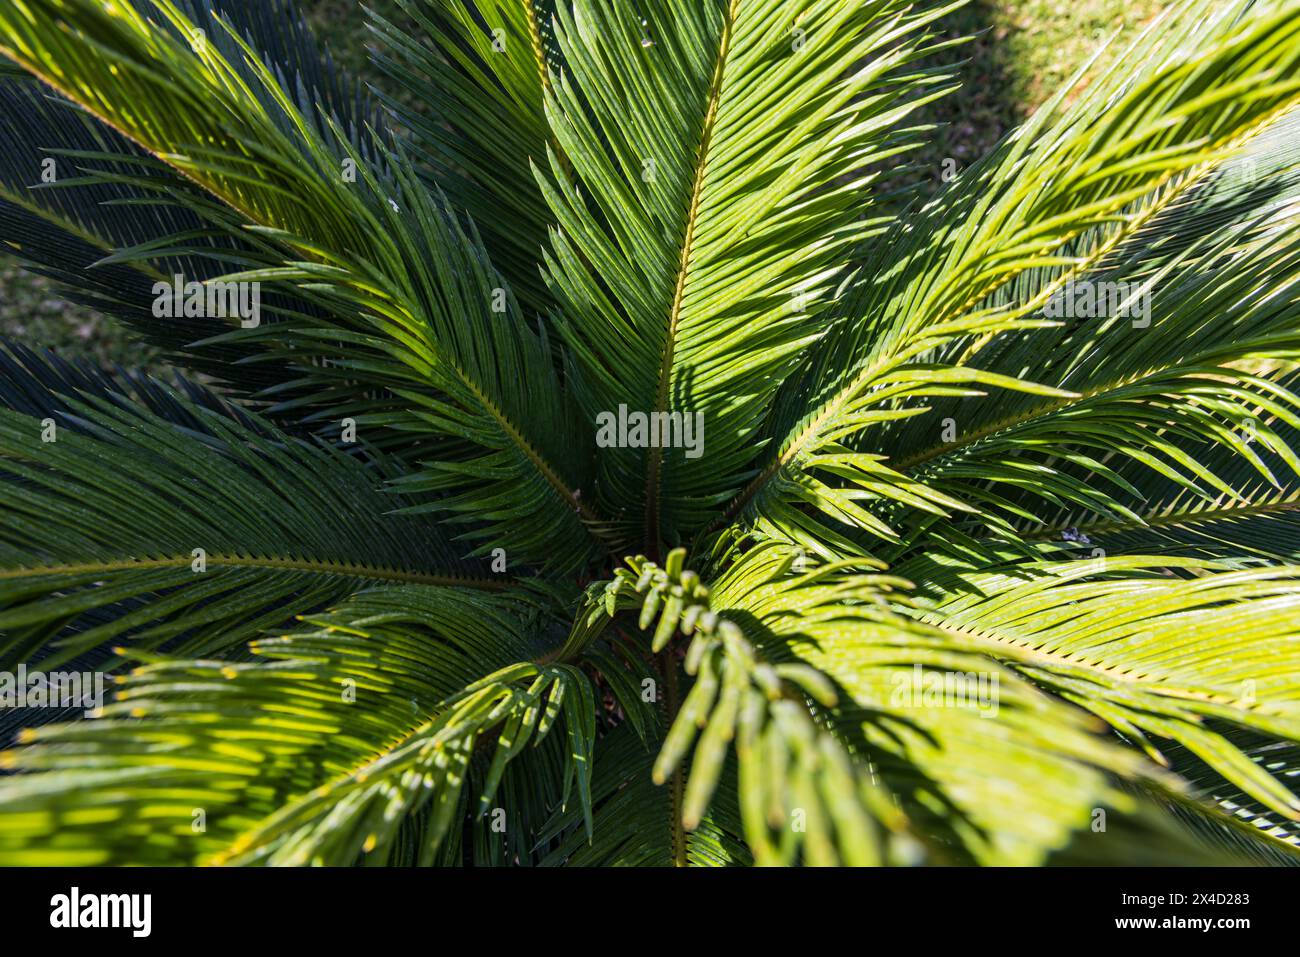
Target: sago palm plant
{"x":598,"y":449}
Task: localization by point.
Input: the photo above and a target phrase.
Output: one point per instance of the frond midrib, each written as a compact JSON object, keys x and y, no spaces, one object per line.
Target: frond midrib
{"x":677,"y":783}
{"x":74,"y":228}
{"x":535,"y":40}
{"x":1028,"y":655}
{"x":532,"y":455}
{"x":270,"y":563}
{"x":655,"y":457}
{"x":1155,"y":518}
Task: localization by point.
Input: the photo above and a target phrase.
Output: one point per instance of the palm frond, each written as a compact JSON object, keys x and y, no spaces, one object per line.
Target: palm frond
{"x":199,"y":526}
{"x":1152,"y":655}
{"x":1225,"y":812}
{"x":993,"y":770}
{"x":700,"y":236}
{"x":418,"y":290}
{"x":66,"y":228}
{"x":1137,"y":140}
{"x":636,"y":818}
{"x":474,"y":76}
{"x":1164,"y":398}
{"x":1258,"y":522}
{"x":68,"y":201}
{"x":799,"y":792}
{"x":317,"y":753}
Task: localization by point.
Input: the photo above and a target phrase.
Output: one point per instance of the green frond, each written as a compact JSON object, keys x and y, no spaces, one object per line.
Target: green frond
{"x":715,"y":152}
{"x":393,"y":259}
{"x":1137,"y":140}
{"x":317,"y":753}
{"x":115,"y":221}
{"x":1259,"y":522}
{"x":64,"y":228}
{"x":994,"y":770}
{"x":195,"y":526}
{"x":1171,"y":398}
{"x":1221,"y":810}
{"x":670,"y":598}
{"x":635,"y":816}
{"x":474,"y":77}
{"x":800,"y":794}
{"x":1153,"y":656}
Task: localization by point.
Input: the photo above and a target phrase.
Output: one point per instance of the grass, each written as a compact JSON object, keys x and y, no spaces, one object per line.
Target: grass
{"x":1024,"y":50}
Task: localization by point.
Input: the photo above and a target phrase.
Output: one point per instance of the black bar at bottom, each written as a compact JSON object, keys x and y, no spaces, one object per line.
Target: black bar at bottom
{"x":335,"y":906}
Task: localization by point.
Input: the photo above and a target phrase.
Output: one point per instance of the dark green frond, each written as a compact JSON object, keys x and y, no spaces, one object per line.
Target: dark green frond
{"x":68,"y":200}
{"x":475,"y":75}
{"x":415,"y":297}
{"x":636,"y":817}
{"x":1257,"y":522}
{"x":199,"y":527}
